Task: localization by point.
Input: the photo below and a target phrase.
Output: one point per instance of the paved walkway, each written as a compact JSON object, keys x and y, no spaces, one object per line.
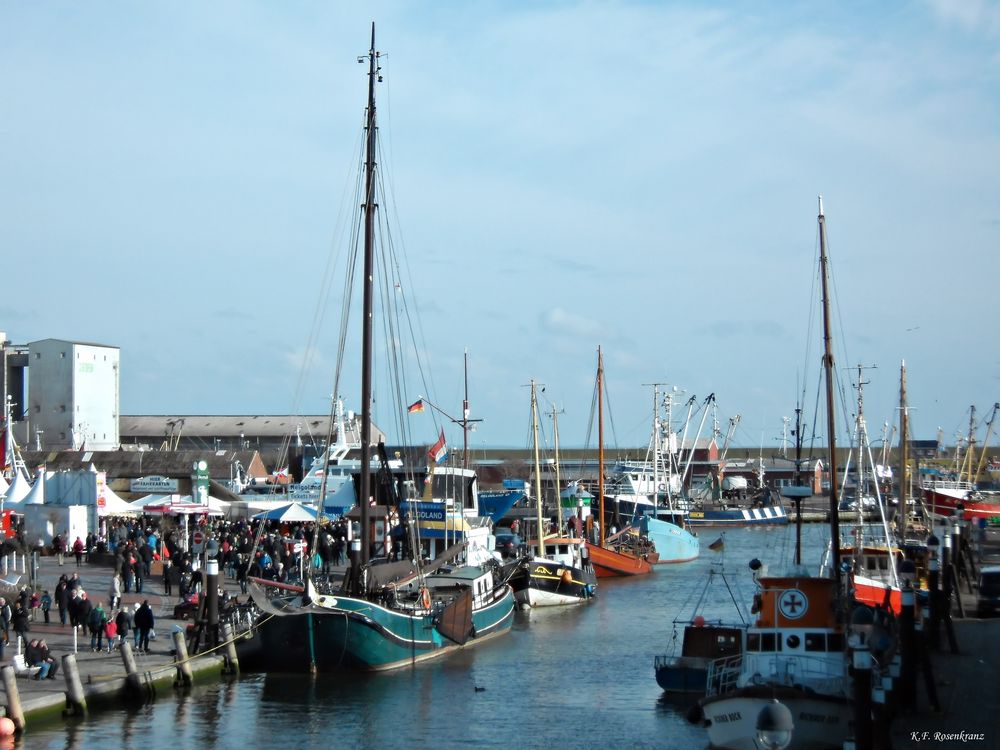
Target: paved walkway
{"x":95,"y":668}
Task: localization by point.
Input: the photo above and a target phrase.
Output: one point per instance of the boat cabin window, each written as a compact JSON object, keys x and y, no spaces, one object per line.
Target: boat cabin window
{"x":815,"y":641}
{"x":763,"y":642}
{"x":834,"y":642}
{"x":792,"y":641}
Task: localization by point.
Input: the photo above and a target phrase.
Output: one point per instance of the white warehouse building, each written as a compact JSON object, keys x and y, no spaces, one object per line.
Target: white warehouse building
{"x":72,"y":395}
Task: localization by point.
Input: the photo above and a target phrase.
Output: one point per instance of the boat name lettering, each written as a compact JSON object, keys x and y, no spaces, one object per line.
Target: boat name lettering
{"x":726,"y":718}
{"x":696,"y":514}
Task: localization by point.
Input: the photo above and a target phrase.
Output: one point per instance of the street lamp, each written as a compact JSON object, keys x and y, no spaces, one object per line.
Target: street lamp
{"x":774,"y":726}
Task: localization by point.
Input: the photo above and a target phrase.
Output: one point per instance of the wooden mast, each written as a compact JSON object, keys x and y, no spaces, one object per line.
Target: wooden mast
{"x":600,"y":440}
{"x":904,"y":458}
{"x":830,"y":420}
{"x":555,"y":434}
{"x":538,"y":472}
{"x":364,"y":493}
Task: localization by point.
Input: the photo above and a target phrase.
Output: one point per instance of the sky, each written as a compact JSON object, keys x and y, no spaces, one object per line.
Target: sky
{"x":639,"y":176}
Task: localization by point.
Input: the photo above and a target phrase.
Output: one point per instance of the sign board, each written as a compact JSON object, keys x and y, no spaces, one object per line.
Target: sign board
{"x":211,"y":547}
{"x":154,"y":484}
{"x":199,"y":482}
{"x":197,"y":541}
{"x":297,"y":548}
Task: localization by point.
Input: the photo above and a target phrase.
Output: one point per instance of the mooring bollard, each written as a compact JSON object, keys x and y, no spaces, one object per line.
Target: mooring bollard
{"x":232,"y":661}
{"x":14,"y":711}
{"x":184,"y":675}
{"x":133,"y":684}
{"x":76,"y":702}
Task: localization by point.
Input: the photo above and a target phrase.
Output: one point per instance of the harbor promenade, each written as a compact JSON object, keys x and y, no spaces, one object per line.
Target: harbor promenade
{"x":102,"y":674}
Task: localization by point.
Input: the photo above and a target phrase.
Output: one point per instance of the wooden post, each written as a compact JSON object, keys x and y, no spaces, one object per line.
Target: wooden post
{"x":907,"y":682}
{"x":862,"y":697}
{"x":232,"y":665}
{"x":133,"y":683}
{"x":184,"y":674}
{"x":14,"y":711}
{"x":76,"y":701}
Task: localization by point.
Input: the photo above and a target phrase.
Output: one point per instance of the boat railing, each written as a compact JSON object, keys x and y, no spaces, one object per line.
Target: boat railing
{"x":822,"y":674}
{"x":723,"y":675}
{"x":947,"y":484}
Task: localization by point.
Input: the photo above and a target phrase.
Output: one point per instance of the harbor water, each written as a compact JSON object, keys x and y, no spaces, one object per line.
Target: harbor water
{"x":576,"y":677}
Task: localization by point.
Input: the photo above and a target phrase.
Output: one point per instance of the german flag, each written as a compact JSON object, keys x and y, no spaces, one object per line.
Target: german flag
{"x":416,"y":406}
{"x":718,"y":545}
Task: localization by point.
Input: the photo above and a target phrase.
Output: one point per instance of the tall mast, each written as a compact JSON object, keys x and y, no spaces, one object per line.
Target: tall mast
{"x":555,"y":435}
{"x":830,"y":420}
{"x":904,"y":458}
{"x":538,"y":471}
{"x":366,"y":315}
{"x":600,"y":439}
{"x":465,"y":413}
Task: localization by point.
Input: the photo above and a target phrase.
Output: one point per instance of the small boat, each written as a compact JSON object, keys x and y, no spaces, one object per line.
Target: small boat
{"x":703,"y":643}
{"x":559,"y":571}
{"x":622,"y":554}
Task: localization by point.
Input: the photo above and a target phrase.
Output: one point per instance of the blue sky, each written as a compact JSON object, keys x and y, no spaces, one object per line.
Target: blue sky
{"x":636,"y":175}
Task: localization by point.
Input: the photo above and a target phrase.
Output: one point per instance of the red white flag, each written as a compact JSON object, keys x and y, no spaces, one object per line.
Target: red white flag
{"x":439,"y":451}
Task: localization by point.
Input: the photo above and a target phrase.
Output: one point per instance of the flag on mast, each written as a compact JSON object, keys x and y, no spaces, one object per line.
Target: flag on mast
{"x":416,"y":406}
{"x":717,"y":545}
{"x":439,"y":451}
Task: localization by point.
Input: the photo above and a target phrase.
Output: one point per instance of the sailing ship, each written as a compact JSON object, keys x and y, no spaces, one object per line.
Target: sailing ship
{"x":796,"y":648}
{"x":871,"y":554}
{"x":624,"y":553}
{"x":559,"y":571}
{"x":396,"y":614}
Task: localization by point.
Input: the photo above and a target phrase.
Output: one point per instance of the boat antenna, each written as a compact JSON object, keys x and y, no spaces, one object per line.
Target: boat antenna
{"x":364,"y":493}
{"x":830,"y":417}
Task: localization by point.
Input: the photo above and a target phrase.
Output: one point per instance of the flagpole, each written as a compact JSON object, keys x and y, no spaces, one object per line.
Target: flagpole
{"x":464,"y":422}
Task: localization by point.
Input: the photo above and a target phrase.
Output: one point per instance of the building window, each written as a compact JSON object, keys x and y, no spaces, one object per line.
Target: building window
{"x":38,"y":355}
{"x":62,"y":355}
{"x":62,"y":407}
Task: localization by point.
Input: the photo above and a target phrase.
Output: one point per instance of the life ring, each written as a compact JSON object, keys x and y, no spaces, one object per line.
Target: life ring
{"x":425,"y":598}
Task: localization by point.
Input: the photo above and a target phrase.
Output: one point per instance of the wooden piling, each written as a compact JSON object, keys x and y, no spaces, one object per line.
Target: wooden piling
{"x":232,"y":665}
{"x":14,"y":711}
{"x":862,"y":659}
{"x":907,"y":684}
{"x":185,"y":677}
{"x":76,"y":701}
{"x":133,"y":683}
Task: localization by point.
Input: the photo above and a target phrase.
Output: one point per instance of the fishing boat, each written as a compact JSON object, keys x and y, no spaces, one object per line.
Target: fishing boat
{"x":945,"y":493}
{"x":389,"y":615}
{"x":703,"y":642}
{"x":625,"y":553}
{"x":657,"y":517}
{"x":796,"y":648}
{"x":559,"y":571}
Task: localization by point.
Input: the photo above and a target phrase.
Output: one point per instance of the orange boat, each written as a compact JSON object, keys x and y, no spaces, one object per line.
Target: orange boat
{"x":616,"y":557}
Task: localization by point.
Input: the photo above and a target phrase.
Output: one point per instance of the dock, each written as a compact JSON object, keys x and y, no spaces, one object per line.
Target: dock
{"x":103,"y":674}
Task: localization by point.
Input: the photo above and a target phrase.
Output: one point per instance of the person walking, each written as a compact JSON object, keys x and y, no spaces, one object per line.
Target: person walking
{"x":96,"y":621}
{"x":124,"y":624}
{"x":19,"y":622}
{"x":78,"y":551}
{"x":47,"y":605}
{"x":167,"y":582}
{"x":144,"y":621}
{"x":115,"y":592}
{"x":6,"y":615}
{"x":62,"y":599}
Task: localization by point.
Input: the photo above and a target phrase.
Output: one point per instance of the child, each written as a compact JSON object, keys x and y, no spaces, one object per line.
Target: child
{"x":46,"y":605}
{"x":110,"y":633}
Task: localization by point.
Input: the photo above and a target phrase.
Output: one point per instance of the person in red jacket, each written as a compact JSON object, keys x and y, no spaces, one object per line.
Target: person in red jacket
{"x":78,"y":551}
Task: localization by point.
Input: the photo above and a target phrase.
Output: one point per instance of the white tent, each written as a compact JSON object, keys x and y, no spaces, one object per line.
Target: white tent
{"x":289,"y":513}
{"x":179,"y":504}
{"x":115,"y":506}
{"x":18,"y":490}
{"x":36,"y":495}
